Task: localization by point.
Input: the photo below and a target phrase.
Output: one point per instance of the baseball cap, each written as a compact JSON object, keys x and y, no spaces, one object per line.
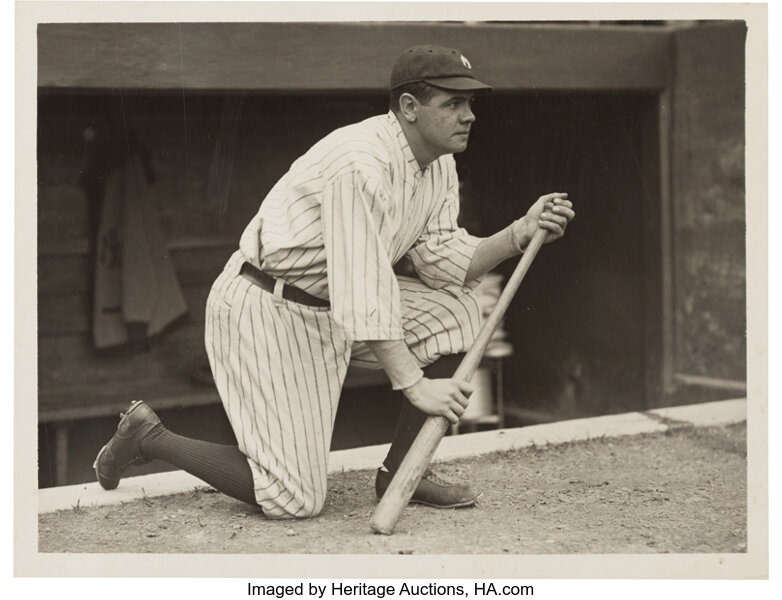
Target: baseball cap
{"x":445,"y":68}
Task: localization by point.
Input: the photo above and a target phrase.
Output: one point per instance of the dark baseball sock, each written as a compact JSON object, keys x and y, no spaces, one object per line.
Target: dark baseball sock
{"x":223,"y":467}
{"x":410,"y":418}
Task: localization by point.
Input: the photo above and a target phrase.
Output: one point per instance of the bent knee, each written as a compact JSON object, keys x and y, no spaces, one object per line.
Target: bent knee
{"x":297,"y":506}
{"x":310,"y":505}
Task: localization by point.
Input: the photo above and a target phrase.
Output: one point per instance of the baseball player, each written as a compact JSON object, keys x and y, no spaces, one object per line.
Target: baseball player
{"x":316,"y":286}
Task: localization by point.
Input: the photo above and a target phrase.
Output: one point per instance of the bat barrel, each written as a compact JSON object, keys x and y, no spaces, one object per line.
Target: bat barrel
{"x":417,"y":459}
{"x":409,"y":474}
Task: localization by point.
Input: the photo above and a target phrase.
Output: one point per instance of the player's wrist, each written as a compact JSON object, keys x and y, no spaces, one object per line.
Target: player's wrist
{"x":413,"y":391}
{"x":407,"y":381}
{"x":519,"y":234}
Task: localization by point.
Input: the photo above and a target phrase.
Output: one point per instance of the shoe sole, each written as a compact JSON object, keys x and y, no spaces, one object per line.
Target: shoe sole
{"x":457,"y":505}
{"x":98,"y":475}
{"x":464,"y":504}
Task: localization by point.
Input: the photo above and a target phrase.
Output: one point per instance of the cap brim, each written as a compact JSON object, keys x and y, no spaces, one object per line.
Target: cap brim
{"x":461,"y":84}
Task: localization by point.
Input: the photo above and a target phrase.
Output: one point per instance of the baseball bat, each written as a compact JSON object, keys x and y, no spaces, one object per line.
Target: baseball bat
{"x":417,"y":459}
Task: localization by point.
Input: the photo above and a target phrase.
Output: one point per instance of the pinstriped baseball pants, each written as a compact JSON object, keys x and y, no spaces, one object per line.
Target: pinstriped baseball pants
{"x":279,"y":368}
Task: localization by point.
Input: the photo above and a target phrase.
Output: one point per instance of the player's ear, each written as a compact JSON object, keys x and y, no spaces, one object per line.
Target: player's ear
{"x":407,"y":107}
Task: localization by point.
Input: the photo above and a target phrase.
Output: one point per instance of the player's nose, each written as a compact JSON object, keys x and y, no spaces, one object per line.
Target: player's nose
{"x":467,"y":115}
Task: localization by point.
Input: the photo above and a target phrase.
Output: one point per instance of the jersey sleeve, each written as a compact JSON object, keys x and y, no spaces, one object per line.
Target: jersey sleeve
{"x":363,"y":289}
{"x":444,"y":251}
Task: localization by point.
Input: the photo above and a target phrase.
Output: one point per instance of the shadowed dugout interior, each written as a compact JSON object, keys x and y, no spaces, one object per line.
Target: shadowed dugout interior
{"x":581,"y":304}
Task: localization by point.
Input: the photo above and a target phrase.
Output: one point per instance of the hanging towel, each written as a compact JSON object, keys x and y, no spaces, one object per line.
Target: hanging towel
{"x":136,"y":287}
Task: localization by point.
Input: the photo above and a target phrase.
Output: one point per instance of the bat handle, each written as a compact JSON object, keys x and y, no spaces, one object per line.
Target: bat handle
{"x":420,"y":454}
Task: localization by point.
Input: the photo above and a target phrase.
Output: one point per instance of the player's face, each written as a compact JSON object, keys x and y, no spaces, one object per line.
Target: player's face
{"x":444,"y":123}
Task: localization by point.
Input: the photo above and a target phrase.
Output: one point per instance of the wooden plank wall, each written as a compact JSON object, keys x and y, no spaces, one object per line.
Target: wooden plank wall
{"x":288,"y":57}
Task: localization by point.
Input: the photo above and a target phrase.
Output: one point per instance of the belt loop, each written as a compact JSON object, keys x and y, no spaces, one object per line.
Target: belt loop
{"x":278,"y":285}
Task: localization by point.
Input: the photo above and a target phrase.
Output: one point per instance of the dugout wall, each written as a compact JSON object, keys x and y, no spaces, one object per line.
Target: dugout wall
{"x":641,"y":305}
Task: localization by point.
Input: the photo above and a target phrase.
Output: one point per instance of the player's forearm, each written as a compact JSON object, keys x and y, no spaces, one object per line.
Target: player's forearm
{"x":397,"y":361}
{"x":493,"y":250}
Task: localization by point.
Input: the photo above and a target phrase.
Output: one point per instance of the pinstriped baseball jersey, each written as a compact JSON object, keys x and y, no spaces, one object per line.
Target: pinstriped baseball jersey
{"x":334,"y":225}
{"x":347,"y":211}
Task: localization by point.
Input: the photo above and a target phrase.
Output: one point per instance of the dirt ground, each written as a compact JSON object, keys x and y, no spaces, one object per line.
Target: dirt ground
{"x":680,"y":492}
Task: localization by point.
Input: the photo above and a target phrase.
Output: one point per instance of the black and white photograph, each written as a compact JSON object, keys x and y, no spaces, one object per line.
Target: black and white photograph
{"x":450,"y":285}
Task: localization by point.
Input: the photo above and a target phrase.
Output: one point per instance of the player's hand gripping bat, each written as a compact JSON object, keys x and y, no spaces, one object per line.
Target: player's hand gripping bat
{"x":409,"y":474}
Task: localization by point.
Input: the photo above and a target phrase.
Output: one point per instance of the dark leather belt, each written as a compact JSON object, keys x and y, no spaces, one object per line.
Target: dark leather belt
{"x":266,"y":282}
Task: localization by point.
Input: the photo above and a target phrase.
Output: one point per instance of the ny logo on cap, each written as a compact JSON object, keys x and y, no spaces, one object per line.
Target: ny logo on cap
{"x":466,"y":62}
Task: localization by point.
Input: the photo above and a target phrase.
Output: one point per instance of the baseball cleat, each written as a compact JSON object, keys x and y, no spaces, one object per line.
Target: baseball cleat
{"x":431,"y":491}
{"x":123,"y":450}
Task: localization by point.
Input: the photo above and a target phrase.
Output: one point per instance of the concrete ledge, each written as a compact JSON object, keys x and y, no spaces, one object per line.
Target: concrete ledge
{"x":706,"y":414}
{"x":726,"y":412}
